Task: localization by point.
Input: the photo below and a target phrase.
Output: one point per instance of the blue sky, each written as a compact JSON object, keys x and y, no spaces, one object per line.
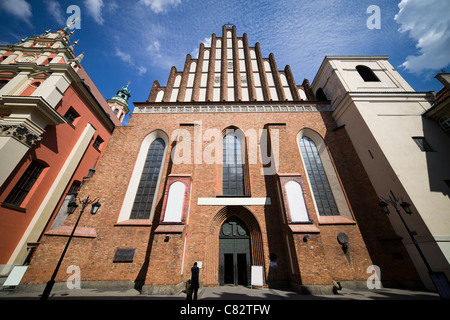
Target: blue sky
{"x":140,"y":40}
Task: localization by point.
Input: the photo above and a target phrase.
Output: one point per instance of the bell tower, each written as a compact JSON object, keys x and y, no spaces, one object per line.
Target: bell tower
{"x":119,"y":103}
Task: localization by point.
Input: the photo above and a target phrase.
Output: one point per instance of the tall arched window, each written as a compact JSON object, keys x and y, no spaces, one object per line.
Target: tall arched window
{"x":320,"y":186}
{"x":146,"y":190}
{"x":367,"y":74}
{"x":233,"y":168}
{"x":140,"y":197}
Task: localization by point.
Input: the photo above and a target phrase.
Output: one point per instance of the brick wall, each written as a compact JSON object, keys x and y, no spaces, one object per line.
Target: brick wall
{"x":317,"y":260}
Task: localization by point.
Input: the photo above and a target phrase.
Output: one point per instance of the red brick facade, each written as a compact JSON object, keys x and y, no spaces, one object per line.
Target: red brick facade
{"x":317,"y":257}
{"x":291,"y":253}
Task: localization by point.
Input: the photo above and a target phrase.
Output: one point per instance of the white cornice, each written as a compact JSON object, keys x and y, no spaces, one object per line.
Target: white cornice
{"x":50,"y":115}
{"x":73,"y":77}
{"x":394,"y":96}
{"x":230,"y":108}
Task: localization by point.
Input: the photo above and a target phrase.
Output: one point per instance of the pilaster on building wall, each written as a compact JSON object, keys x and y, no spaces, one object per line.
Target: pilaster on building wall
{"x":173,"y":201}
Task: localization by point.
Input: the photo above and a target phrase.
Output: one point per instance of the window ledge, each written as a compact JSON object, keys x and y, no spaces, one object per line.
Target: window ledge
{"x":233,"y":196}
{"x":134,"y":222}
{"x":82,"y":232}
{"x":304,"y":228}
{"x":13,"y":207}
{"x":335,"y":220}
{"x":170,"y":228}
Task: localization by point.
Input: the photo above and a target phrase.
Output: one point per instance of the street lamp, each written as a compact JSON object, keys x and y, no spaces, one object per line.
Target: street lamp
{"x":406,"y":206}
{"x":71,"y":207}
{"x":385,"y":207}
{"x":438,"y":278}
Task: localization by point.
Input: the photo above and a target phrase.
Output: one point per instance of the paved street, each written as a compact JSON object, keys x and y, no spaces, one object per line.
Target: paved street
{"x":237,"y":293}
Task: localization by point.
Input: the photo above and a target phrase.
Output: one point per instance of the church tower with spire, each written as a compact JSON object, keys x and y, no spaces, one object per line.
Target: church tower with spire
{"x":119,"y":103}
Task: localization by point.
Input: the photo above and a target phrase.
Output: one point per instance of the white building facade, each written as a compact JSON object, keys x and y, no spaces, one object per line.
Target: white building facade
{"x":406,"y":155}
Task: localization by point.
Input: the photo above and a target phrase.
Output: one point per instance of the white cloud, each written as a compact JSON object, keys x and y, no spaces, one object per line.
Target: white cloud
{"x":55,"y":10}
{"x":428,"y":23}
{"x":206,"y":42}
{"x":19,"y":8}
{"x":154,"y":46}
{"x":141,"y":70}
{"x":159,"y":6}
{"x":112,"y":6}
{"x":94,"y":8}
{"x":125,"y":57}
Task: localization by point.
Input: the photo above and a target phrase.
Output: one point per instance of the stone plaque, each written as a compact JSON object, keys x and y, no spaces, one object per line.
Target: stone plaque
{"x":124,"y":255}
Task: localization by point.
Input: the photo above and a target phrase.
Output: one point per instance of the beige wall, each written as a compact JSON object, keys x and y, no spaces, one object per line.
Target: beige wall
{"x":384,"y":122}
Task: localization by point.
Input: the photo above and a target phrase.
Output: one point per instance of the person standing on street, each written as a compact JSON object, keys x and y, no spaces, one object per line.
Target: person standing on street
{"x":194,"y":280}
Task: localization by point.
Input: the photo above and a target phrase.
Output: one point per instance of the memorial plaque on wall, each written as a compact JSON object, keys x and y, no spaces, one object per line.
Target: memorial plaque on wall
{"x":124,"y":255}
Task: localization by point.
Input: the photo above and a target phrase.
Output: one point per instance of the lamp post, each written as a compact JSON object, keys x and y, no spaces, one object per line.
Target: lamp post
{"x":71,"y":207}
{"x":439,"y":279}
{"x":384,"y":204}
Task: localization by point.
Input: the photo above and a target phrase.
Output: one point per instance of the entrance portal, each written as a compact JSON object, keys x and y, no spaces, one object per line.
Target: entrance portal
{"x":234,"y":253}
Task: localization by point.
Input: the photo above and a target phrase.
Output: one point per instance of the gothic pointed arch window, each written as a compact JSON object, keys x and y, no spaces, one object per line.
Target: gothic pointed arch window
{"x":145,"y":194}
{"x":140,"y":197}
{"x":323,"y":195}
{"x":367,"y":74}
{"x":233,"y":164}
{"x":328,"y":195}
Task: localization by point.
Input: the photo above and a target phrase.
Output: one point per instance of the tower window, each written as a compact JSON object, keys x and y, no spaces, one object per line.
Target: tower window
{"x":423,"y":144}
{"x":367,"y":74}
{"x":320,"y":95}
{"x":445,"y":123}
{"x":146,"y":191}
{"x":447,"y":182}
{"x":25,"y":183}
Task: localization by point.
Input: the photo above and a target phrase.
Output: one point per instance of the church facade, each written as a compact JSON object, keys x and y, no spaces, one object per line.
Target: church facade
{"x":232,"y":165}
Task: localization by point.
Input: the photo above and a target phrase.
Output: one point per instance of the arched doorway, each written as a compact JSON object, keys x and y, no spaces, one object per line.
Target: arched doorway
{"x":234,"y":253}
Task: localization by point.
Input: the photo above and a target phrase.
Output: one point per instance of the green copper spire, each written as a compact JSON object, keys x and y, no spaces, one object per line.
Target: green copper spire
{"x":123,"y":94}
